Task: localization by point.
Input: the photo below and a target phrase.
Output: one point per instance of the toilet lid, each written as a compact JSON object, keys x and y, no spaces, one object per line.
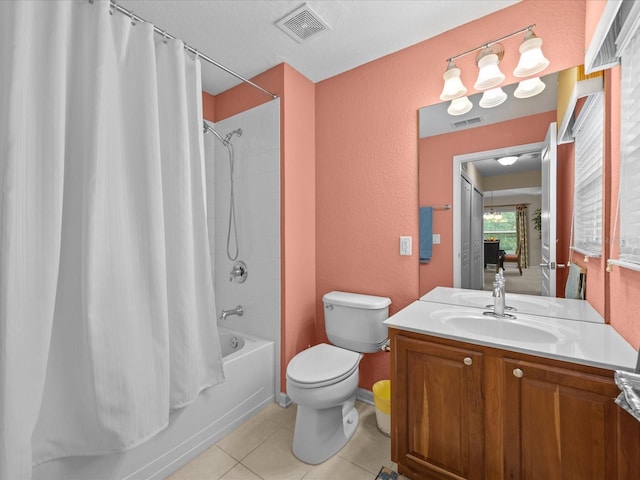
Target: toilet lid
{"x":321,"y":364}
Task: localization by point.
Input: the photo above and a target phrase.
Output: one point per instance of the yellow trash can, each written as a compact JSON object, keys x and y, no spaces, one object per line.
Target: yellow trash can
{"x":382,"y":402}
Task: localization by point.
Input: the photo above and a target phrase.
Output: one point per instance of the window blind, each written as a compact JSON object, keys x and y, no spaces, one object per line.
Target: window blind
{"x":630,"y":149}
{"x":587,"y":201}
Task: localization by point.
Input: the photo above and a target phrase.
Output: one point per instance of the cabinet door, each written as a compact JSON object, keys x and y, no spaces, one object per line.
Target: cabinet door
{"x":559,"y":424}
{"x":437,"y":410}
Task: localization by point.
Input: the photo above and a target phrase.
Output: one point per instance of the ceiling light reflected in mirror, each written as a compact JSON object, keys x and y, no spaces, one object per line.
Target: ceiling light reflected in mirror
{"x":509,"y":160}
{"x":436,"y":120}
{"x":529,"y":88}
{"x":492,"y":98}
{"x":459,"y":106}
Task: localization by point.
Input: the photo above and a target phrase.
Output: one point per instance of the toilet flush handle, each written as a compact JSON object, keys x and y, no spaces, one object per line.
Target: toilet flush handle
{"x":329,"y":307}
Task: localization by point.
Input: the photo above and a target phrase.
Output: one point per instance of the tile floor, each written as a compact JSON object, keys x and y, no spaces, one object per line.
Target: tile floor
{"x":261,"y":449}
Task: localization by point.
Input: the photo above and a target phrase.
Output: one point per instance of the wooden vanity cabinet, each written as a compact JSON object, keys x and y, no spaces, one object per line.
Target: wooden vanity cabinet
{"x":563,"y":423}
{"x":463,"y":411}
{"x":437,"y":422}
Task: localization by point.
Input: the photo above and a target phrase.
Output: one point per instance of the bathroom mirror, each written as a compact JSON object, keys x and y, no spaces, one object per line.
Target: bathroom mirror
{"x":515,"y":125}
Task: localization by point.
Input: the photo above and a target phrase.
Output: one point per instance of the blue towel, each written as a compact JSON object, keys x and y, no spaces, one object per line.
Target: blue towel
{"x":426,"y":234}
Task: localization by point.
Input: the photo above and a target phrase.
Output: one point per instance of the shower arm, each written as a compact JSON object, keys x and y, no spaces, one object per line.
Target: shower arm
{"x":208,"y":128}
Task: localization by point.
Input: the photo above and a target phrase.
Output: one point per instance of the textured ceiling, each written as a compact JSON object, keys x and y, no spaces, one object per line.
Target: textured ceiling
{"x":242,"y":35}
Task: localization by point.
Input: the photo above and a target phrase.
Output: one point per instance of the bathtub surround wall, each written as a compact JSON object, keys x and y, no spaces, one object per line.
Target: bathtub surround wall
{"x":257,"y":201}
{"x":297,"y":197}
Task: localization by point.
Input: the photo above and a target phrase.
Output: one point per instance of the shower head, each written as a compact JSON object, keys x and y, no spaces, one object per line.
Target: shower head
{"x":237,"y":131}
{"x":227,"y":139}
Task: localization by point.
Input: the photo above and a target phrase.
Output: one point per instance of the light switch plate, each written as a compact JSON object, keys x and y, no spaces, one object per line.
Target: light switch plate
{"x":405,"y":245}
{"x":436,"y":239}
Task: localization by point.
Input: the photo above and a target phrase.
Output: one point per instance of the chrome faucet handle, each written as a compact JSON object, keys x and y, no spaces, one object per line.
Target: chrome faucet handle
{"x":239,"y":272}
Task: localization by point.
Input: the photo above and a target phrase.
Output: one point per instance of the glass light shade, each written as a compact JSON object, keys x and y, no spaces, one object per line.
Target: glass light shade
{"x":453,"y":87}
{"x":507,"y":160}
{"x":529,"y":88}
{"x":489,"y":75}
{"x":532,"y":60}
{"x":492,"y":98}
{"x":460,"y":106}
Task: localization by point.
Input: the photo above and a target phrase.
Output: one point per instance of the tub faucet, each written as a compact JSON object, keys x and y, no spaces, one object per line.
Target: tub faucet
{"x":233,"y":311}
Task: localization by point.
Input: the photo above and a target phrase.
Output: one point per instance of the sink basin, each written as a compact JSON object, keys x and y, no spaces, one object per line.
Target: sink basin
{"x":518,"y":303}
{"x":478,"y":325}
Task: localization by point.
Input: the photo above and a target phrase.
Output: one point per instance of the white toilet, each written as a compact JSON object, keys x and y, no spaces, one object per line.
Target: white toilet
{"x":323,"y":379}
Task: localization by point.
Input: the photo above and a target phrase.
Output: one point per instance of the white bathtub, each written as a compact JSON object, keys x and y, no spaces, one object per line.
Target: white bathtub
{"x":248,"y":387}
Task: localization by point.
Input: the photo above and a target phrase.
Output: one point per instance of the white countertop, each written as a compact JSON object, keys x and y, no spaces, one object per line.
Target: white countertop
{"x":531,"y":304}
{"x":587,"y":343}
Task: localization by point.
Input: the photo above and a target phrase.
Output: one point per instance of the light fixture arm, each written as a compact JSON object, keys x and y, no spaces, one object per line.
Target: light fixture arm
{"x":488,"y":44}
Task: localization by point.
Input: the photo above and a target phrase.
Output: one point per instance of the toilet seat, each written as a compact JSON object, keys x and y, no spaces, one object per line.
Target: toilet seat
{"x":322,"y":365}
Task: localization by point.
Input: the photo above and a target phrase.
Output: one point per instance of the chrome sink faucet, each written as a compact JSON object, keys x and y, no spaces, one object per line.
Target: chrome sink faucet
{"x":233,"y":311}
{"x":498,"y":298}
{"x":499,"y":293}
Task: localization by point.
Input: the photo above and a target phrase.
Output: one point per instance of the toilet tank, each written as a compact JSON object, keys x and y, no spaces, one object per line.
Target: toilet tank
{"x":355,"y":321}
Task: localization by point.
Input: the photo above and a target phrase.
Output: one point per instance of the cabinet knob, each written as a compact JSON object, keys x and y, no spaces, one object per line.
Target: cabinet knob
{"x":518,"y":373}
{"x":468,"y":361}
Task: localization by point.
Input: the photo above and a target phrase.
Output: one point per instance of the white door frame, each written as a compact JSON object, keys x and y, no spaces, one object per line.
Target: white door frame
{"x":548,"y":216}
{"x":458,"y":160}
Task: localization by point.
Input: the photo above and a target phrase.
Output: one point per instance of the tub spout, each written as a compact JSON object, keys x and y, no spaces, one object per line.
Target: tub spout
{"x":234,"y":311}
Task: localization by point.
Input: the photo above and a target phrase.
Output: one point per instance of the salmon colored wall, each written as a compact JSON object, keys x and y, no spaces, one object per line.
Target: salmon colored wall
{"x":623,"y":292}
{"x":564,"y":212}
{"x":208,"y":106}
{"x":593,"y":12}
{"x":367,"y":153}
{"x":595,"y":267}
{"x":436,"y":179}
{"x":298,"y":213}
{"x":615,"y":294}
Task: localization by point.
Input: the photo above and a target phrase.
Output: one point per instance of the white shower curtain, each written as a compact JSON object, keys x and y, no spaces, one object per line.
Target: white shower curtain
{"x":107,"y":316}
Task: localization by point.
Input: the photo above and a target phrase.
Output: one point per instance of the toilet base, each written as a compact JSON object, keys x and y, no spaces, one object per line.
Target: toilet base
{"x":321,"y":433}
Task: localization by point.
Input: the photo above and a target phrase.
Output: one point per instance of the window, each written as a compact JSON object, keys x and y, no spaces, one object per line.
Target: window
{"x":587,"y":200}
{"x":501,"y":226}
{"x":629,"y":200}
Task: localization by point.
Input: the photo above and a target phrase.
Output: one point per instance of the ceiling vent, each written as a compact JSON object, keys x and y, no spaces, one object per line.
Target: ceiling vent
{"x":466,"y":123}
{"x":302,"y":23}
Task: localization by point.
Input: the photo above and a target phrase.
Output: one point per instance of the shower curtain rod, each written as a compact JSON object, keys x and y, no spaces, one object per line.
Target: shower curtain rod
{"x":159,"y":31}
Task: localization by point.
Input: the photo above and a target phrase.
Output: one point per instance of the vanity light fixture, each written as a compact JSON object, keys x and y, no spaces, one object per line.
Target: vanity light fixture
{"x":488,"y":57}
{"x":532,"y":60}
{"x":529,"y":88}
{"x":459,"y":106}
{"x":510,"y":160}
{"x":453,"y":86}
{"x":492,"y":98}
{"x":487,"y":60}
